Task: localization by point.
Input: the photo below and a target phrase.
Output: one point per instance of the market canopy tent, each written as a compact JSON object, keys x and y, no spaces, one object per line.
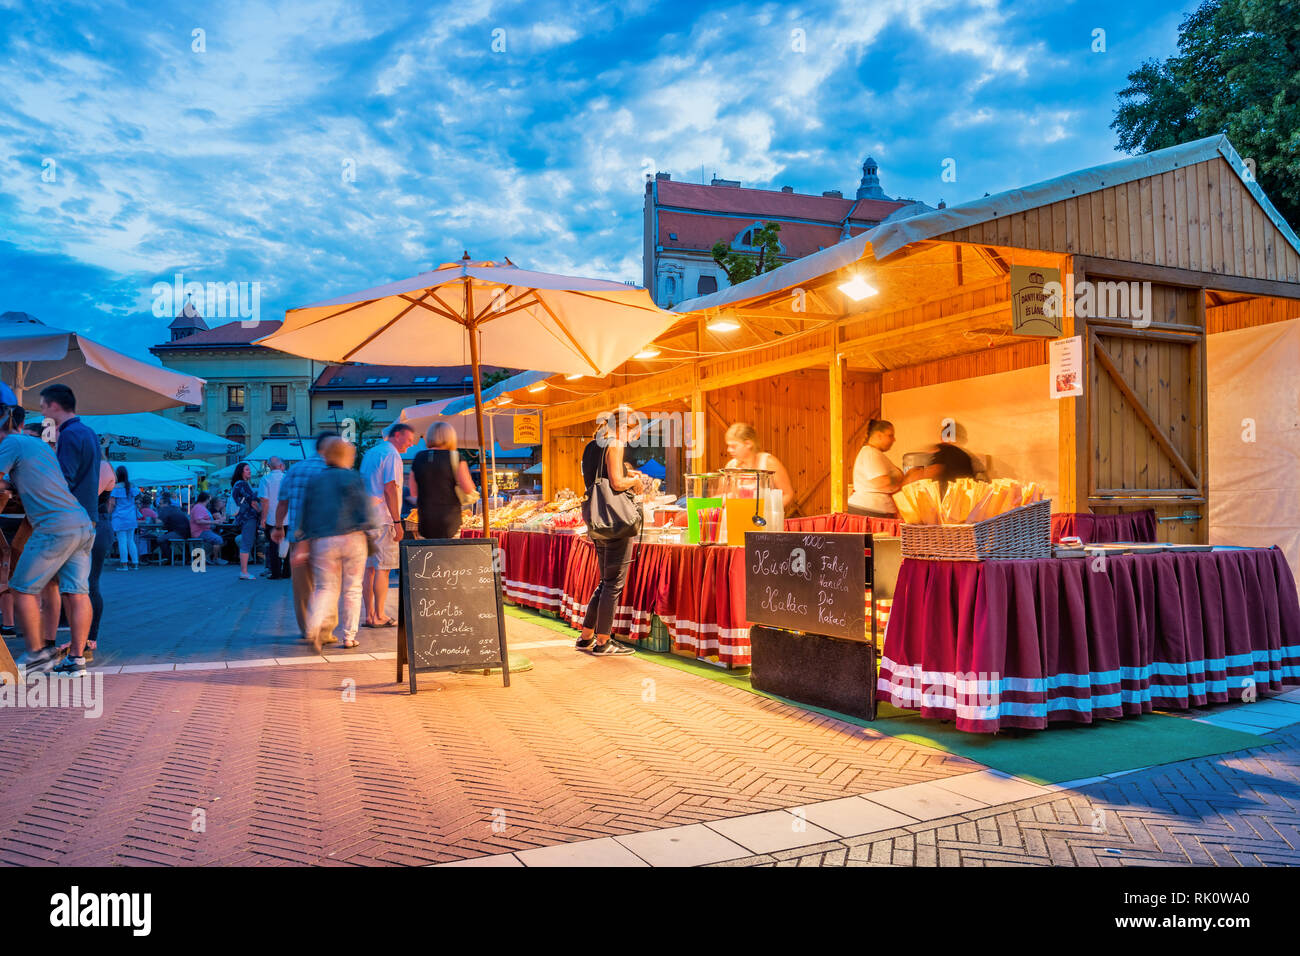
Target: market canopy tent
{"x":164,"y":474}
{"x":287,"y":450}
{"x":144,"y":435}
{"x":511,"y":316}
{"x":33,"y":355}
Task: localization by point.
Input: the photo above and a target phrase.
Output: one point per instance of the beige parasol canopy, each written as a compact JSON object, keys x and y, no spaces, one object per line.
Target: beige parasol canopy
{"x":33,"y":355}
{"x":515,"y":318}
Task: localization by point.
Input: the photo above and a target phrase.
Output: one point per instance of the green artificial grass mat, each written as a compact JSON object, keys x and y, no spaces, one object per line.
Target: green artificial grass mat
{"x":1063,"y":752}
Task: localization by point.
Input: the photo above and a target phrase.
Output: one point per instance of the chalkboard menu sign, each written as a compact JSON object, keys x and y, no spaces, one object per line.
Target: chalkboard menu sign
{"x":812,"y":582}
{"x":449,"y":615}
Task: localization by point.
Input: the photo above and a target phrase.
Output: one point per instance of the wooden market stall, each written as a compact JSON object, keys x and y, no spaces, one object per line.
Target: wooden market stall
{"x":1182,"y":285}
{"x":808,"y":366}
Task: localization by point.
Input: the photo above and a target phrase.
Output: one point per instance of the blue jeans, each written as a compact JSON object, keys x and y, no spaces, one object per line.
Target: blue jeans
{"x":65,"y":553}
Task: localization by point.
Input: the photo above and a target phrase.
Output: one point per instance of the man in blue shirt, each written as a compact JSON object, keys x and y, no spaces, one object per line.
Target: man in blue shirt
{"x":79,"y":456}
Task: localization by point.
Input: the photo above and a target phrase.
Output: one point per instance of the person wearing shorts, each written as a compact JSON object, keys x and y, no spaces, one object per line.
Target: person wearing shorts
{"x":59,"y":548}
{"x":381,"y":470}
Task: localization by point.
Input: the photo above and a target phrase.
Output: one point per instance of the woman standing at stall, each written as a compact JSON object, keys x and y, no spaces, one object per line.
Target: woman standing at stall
{"x":125,"y":519}
{"x":745,"y":452}
{"x":437,"y":473}
{"x":875,"y":477}
{"x":247,"y":517}
{"x":603,"y":458}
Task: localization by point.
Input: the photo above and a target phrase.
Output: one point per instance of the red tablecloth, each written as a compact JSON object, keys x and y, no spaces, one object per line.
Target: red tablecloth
{"x":1130,"y":526}
{"x":844,"y":522}
{"x":698,"y":592}
{"x":536,"y":562}
{"x":1015,"y":643}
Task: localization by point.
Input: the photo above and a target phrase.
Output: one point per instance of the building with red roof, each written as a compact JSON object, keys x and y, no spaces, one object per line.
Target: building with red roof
{"x":683,"y":221}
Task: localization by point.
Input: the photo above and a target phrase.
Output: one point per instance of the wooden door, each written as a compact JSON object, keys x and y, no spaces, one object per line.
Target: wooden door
{"x":1147,"y":413}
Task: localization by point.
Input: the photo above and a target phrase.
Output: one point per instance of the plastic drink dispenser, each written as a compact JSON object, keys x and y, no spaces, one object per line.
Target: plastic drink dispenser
{"x":749,"y":494}
{"x":702,"y":491}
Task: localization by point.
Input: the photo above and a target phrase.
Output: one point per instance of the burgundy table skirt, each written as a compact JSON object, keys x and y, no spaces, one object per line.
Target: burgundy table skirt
{"x":535,"y":564}
{"x":698,"y":592}
{"x":1133,"y":526}
{"x":845,"y":522}
{"x":1018,"y":643}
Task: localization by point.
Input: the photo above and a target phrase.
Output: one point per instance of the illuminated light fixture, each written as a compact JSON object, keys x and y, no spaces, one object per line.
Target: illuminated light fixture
{"x":539,"y":387}
{"x":467,"y":411}
{"x":504,"y":400}
{"x":858,"y":288}
{"x":647,"y":353}
{"x":573,"y":378}
{"x":722,"y":324}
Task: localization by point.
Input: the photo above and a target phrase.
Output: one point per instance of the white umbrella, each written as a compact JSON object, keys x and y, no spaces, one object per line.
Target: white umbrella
{"x":139,"y":436}
{"x":513,"y":317}
{"x":33,"y":355}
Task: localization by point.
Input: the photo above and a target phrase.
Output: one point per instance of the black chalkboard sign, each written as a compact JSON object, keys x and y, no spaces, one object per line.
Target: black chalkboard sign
{"x":450,"y":615}
{"x":808,"y":581}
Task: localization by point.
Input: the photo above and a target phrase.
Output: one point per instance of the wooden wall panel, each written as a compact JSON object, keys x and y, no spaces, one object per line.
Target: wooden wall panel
{"x":1260,"y":310}
{"x":1007,"y":358}
{"x":1200,"y":217}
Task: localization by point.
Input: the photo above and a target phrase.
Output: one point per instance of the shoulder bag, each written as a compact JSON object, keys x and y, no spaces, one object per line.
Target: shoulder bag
{"x":610,"y":515}
{"x":466,"y":498}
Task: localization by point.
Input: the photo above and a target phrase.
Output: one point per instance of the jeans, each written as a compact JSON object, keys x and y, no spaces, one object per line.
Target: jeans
{"x":98,"y":552}
{"x":126,"y":546}
{"x":64,"y":553}
{"x":614,"y":558}
{"x":338,"y":566}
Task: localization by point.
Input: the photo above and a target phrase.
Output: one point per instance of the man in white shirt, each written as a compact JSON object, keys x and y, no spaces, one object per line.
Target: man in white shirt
{"x":268,"y":490}
{"x":381,"y":470}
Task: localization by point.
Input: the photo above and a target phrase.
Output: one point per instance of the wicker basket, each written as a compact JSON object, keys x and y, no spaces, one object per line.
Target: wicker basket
{"x":1021,"y":533}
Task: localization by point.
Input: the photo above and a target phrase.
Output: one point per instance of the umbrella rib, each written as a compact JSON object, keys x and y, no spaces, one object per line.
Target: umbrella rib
{"x":446,"y":311}
{"x":624,"y":305}
{"x":505,"y":309}
{"x":347,"y":357}
{"x":332,"y":315}
{"x":569,"y":335}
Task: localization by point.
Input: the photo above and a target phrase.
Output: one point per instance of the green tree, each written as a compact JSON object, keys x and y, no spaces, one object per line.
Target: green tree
{"x":492,"y":378}
{"x":364,"y":424}
{"x":1237,"y":71}
{"x":741,"y":265}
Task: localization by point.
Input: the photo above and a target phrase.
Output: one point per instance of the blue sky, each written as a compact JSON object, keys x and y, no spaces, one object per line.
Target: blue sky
{"x":508,"y":129}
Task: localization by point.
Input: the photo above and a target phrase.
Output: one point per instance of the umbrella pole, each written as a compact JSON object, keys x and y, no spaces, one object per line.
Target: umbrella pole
{"x":478,"y":409}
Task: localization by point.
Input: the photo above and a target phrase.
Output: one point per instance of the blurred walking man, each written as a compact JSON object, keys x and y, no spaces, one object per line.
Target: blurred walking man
{"x":288,"y":521}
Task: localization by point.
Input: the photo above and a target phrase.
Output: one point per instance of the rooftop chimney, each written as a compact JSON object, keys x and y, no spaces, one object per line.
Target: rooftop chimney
{"x":725,"y":182}
{"x":787,"y":189}
{"x":663,"y":175}
{"x":833,"y":194}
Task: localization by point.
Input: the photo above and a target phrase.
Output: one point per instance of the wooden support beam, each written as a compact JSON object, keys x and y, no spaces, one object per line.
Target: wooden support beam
{"x":548,"y":456}
{"x":1072,"y":443}
{"x":838,"y":498}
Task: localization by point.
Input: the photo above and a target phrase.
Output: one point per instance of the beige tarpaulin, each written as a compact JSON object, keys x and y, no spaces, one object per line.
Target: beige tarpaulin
{"x":1254,"y":392}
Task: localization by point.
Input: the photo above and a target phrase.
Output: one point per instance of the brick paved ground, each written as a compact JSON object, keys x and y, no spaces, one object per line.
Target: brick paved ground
{"x":1240,"y":809}
{"x":288,"y":771}
{"x":275,"y":764}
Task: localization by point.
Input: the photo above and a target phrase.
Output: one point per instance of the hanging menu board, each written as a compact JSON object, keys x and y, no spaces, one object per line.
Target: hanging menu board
{"x":450,"y":614}
{"x":808,"y":582}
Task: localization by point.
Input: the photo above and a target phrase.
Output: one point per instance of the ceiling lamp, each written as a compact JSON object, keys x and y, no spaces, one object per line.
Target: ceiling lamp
{"x":858,"y":288}
{"x":573,"y":378}
{"x":539,"y":387}
{"x":647,"y":353}
{"x":722,"y":324}
{"x":504,"y":400}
